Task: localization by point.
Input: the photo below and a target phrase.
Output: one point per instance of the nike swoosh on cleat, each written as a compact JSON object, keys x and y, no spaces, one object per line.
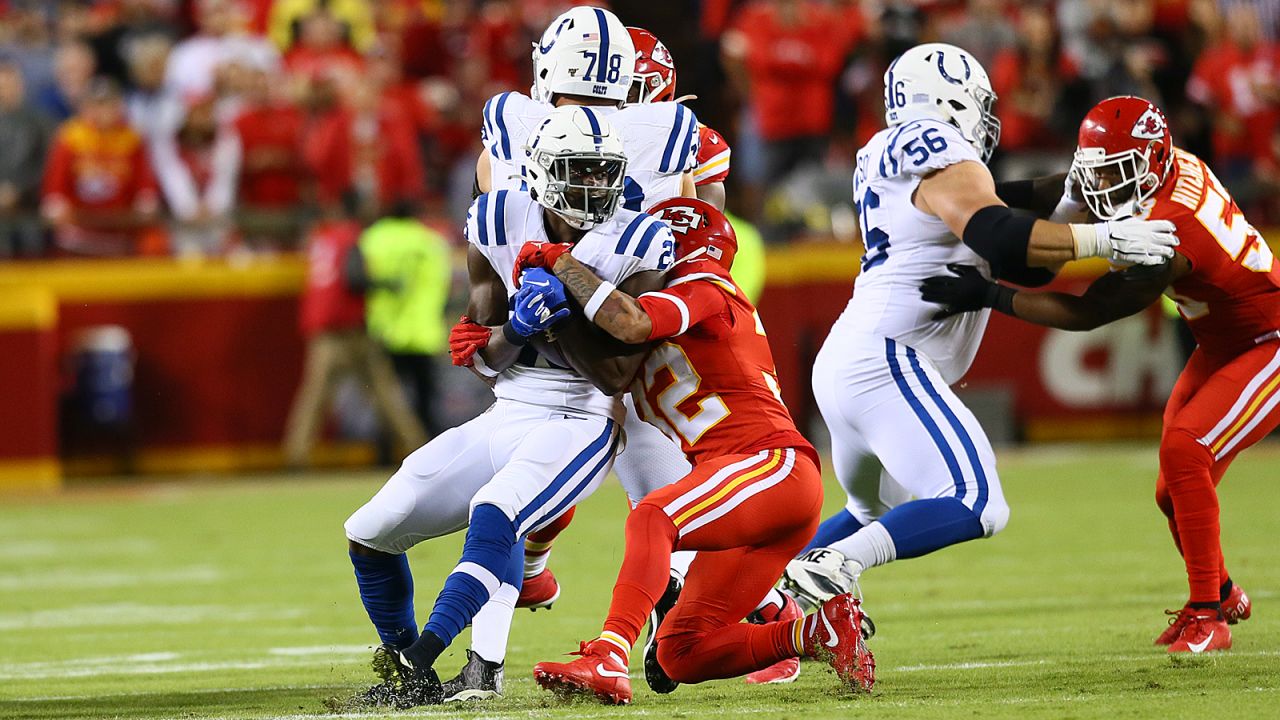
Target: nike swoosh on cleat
{"x":602,"y":670}
{"x":832,"y":639}
{"x":1199,"y":647}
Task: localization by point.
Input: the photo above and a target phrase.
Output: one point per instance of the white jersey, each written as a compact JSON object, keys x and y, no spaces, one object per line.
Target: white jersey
{"x":660,"y":141}
{"x":499,"y":223}
{"x":905,"y":245}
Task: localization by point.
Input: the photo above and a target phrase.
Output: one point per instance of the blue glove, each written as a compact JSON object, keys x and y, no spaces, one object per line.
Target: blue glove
{"x":539,"y":303}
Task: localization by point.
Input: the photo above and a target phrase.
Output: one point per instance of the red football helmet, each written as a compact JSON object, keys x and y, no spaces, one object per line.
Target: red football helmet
{"x":1123,"y":155}
{"x":655,"y":74}
{"x":698,"y":227}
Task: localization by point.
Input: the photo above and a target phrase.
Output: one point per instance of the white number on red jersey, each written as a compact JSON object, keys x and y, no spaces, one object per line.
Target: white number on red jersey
{"x":1220,"y":216}
{"x":664,"y":404}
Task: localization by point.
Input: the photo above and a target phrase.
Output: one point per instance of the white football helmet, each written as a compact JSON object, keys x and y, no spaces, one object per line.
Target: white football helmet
{"x":575,"y":166}
{"x":942,"y":81}
{"x":586,"y":51}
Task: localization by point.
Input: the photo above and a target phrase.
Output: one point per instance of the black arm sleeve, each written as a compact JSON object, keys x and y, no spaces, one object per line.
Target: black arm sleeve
{"x":999,"y":236}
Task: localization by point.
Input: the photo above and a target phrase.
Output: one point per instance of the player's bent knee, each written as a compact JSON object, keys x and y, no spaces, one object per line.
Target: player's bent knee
{"x":995,"y":517}
{"x":1179,"y":448}
{"x":676,"y":656}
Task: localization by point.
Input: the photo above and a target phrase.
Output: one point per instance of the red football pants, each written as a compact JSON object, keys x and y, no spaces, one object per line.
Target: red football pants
{"x":1217,"y":409}
{"x":747,"y":515}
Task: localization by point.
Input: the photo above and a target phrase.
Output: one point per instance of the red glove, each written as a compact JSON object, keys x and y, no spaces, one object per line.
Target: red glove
{"x":535,"y":254}
{"x":465,"y":340}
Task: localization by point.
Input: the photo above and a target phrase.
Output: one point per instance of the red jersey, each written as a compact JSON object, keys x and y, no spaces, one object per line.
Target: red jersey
{"x":712,"y":386}
{"x":272,"y":166}
{"x":713,"y":157}
{"x":1231,"y":297}
{"x":99,"y":169}
{"x":327,"y":303}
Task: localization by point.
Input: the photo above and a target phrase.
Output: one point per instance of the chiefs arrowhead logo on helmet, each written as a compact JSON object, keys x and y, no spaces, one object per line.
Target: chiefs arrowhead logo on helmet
{"x":1150,"y":126}
{"x":662,"y":56}
{"x":698,"y":226}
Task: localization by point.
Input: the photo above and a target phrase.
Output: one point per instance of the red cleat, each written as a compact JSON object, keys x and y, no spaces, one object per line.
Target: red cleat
{"x":1176,"y":624}
{"x":1205,"y":631}
{"x":539,"y":591}
{"x":1237,"y":606}
{"x":601,"y":671}
{"x":834,"y":634}
{"x":783,"y":671}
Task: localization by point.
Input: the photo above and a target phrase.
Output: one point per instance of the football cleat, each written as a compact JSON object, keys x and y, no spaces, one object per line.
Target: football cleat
{"x":479,"y":679}
{"x":601,"y":671}
{"x":1204,"y":631}
{"x":654,"y":675}
{"x":834,"y":634}
{"x":819,"y":575}
{"x":1177,"y":621}
{"x":403,"y":685}
{"x":783,"y":671}
{"x":1237,"y":606}
{"x":539,"y":591}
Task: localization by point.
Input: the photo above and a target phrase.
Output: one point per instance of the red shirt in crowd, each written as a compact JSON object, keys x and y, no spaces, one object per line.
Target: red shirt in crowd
{"x":1224,"y":80}
{"x":99,"y":169}
{"x":327,"y":303}
{"x":1010,"y":74}
{"x":793,"y":66}
{"x":327,"y":62}
{"x":379,"y":156}
{"x":271,"y":168}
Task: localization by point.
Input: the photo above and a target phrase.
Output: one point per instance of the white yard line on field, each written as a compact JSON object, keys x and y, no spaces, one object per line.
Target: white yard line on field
{"x":125,"y":614}
{"x":81,"y":579}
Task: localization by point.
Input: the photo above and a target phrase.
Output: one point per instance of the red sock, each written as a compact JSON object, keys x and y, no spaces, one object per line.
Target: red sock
{"x":1185,"y":464}
{"x":727,"y":651}
{"x":550,"y":532}
{"x":646,"y":565}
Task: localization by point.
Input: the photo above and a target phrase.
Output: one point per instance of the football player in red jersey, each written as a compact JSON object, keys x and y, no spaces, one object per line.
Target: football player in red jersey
{"x":1227,"y":285}
{"x":655,"y":81}
{"x":750,"y":503}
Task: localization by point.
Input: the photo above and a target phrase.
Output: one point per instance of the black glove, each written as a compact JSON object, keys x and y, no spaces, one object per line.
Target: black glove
{"x":965,"y":291}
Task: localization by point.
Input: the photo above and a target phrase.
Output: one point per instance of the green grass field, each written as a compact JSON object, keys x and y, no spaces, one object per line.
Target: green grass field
{"x":235,"y":599}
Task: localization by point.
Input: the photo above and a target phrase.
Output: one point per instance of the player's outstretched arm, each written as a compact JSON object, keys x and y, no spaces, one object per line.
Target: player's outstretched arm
{"x":963,"y":196}
{"x":1111,"y":297}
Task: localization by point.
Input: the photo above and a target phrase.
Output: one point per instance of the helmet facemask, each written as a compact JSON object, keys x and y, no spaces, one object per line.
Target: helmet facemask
{"x":1114,"y":185}
{"x":645,"y":87}
{"x":583,"y":188}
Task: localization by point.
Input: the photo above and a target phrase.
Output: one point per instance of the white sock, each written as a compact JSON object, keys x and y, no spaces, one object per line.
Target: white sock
{"x":536,"y":556}
{"x":680,"y":562}
{"x":869,"y":547}
{"x":773,"y":597}
{"x":492,"y":625}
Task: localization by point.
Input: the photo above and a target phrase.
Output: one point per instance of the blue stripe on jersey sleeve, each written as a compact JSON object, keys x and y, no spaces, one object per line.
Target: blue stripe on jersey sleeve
{"x":603,"y":60}
{"x":482,"y":218}
{"x":502,"y":125}
{"x":627,"y":234}
{"x":647,"y":239}
{"x":487,"y":128}
{"x":690,"y":146}
{"x":665,"y":165}
{"x":499,"y":218}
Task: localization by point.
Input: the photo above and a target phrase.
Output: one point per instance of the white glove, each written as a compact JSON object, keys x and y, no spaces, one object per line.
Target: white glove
{"x":1140,"y":242}
{"x":1071,"y":205}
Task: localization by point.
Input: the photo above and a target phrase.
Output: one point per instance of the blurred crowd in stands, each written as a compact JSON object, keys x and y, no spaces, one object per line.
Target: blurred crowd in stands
{"x":214,"y":127}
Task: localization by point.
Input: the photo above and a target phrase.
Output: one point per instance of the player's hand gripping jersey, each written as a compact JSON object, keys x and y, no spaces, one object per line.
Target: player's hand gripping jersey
{"x":499,"y":223}
{"x":1231,"y":297}
{"x":711,"y":385}
{"x":905,"y":245}
{"x":660,"y":141}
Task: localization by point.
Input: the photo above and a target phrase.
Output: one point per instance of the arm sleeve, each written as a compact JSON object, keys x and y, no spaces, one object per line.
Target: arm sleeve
{"x":713,"y":157}
{"x":674,"y":310}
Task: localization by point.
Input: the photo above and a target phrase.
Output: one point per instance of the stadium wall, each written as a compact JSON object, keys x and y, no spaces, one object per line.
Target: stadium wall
{"x":218,"y":356}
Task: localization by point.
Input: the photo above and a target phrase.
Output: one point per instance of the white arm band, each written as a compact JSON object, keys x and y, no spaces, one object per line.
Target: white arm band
{"x":478,"y":363}
{"x":597,"y":299}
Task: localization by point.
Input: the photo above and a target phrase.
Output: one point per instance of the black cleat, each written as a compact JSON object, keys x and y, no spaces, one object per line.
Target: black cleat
{"x":479,"y":679}
{"x":654,"y":675}
{"x":403,"y":685}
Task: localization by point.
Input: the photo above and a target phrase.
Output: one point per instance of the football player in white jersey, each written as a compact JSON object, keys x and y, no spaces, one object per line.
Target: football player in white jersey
{"x":926,"y":200}
{"x":549,"y":439}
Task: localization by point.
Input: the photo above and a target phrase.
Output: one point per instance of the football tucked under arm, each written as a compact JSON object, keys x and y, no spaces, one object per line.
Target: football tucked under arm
{"x":609,"y":363}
